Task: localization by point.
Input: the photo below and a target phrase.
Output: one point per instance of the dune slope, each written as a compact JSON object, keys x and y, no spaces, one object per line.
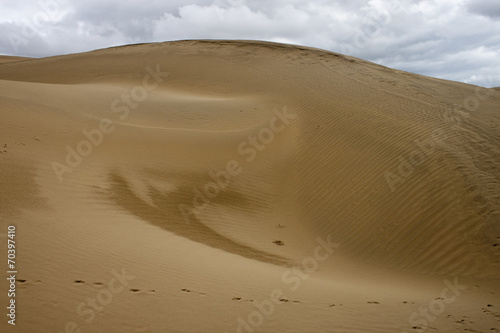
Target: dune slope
{"x":219,"y":173}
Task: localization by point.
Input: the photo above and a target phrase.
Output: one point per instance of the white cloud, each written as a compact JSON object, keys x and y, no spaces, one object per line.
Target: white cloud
{"x":453,"y":39}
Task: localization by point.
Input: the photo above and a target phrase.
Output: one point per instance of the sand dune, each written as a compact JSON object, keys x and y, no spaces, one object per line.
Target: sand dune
{"x":240,"y":186}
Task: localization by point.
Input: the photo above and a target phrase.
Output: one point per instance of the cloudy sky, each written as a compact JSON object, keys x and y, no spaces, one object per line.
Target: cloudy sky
{"x":452,"y":39}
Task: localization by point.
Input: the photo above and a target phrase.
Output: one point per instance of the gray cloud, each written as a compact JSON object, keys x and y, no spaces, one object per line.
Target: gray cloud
{"x":488,"y":8}
{"x":456,"y":40}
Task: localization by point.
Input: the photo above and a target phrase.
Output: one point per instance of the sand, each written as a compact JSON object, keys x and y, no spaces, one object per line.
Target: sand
{"x":240,"y":186}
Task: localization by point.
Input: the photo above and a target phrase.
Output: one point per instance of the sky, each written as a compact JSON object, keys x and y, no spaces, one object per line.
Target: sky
{"x":452,"y":39}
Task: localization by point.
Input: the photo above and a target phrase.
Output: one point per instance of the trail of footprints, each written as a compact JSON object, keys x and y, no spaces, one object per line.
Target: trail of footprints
{"x":487,"y":309}
{"x":3,"y":148}
{"x":100,"y":285}
{"x":282,"y":300}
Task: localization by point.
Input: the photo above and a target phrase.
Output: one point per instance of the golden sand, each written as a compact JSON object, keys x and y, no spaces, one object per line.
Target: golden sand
{"x":238,"y":186}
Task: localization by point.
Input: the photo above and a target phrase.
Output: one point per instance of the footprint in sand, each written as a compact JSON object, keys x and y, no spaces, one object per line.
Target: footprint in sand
{"x":133,"y":290}
{"x":239,"y":299}
{"x":189,"y":290}
{"x":373,"y":302}
{"x":79,"y":282}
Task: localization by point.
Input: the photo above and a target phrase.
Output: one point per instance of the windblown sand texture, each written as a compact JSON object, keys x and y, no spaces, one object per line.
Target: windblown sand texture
{"x":400,"y":172}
